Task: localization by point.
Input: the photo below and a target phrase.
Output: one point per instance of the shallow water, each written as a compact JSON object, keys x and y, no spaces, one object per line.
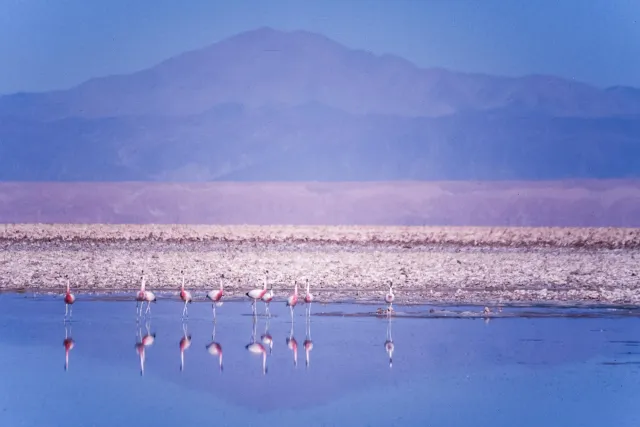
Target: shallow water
{"x":518,"y":370}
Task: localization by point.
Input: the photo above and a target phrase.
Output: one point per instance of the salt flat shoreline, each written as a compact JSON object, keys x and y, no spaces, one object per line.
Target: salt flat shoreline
{"x":475,"y":265}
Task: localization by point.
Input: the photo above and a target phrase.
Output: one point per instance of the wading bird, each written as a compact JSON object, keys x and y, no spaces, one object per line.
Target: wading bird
{"x":215,"y":296}
{"x":256,"y":294}
{"x":185,"y":296}
{"x":308,"y":298}
{"x":390,"y":296}
{"x":293,"y":299}
{"x":267,"y":298}
{"x":69,"y":299}
{"x":144,"y":296}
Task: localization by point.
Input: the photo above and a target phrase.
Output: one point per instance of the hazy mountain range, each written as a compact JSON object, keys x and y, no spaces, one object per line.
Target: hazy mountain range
{"x":271,"y":105}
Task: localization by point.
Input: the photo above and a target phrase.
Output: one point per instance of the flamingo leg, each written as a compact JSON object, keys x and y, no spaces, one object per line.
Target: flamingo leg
{"x":184,"y":309}
{"x":70,"y":311}
{"x":66,"y":310}
{"x":137,"y":308}
{"x":148,"y":307}
{"x":213,"y":307}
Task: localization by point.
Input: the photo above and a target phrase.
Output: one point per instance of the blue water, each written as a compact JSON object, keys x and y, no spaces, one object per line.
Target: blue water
{"x":515,"y":371}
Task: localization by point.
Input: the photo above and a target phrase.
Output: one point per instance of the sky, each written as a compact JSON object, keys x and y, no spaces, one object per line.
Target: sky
{"x":47,"y":45}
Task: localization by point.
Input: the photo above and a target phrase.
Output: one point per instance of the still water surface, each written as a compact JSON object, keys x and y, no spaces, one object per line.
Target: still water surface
{"x":524,"y":371}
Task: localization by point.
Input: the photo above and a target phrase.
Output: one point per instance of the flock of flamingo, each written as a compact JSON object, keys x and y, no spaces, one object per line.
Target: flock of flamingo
{"x":215,"y":296}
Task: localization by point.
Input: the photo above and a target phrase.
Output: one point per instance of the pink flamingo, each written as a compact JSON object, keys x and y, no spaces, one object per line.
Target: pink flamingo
{"x":293,"y":299}
{"x":69,"y":299}
{"x":215,"y":296}
{"x":308,"y":298}
{"x":390,"y":297}
{"x":185,"y":296}
{"x":267,"y":298}
{"x":144,"y":296}
{"x":256,"y":294}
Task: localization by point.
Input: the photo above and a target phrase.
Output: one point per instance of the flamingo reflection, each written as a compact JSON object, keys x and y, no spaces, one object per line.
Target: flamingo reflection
{"x":214,"y":348}
{"x":292,"y":344}
{"x":308,"y":344}
{"x":388,"y":344}
{"x":185,"y":343}
{"x":257,"y":348}
{"x":266,"y":338}
{"x":68,"y":343}
{"x":142,"y":342}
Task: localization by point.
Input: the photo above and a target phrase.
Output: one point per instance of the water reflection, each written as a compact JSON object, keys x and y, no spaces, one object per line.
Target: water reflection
{"x":266,"y":338}
{"x":292,"y":344}
{"x":185,"y":343}
{"x":256,"y":347}
{"x":68,"y":343}
{"x":388,"y":344}
{"x":214,"y":348}
{"x":499,"y":375}
{"x":143,"y":341}
{"x":308,"y":344}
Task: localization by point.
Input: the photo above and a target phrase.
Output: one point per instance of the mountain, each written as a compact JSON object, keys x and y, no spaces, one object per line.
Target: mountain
{"x":273,"y":105}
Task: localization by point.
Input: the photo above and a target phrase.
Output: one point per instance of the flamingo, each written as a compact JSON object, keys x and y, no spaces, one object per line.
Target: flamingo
{"x":308,"y":298}
{"x":185,"y":343}
{"x":185,"y":296}
{"x":388,"y":344}
{"x":215,"y":296}
{"x":68,"y":343}
{"x":214,"y":348}
{"x":307,"y":344}
{"x":293,"y":299}
{"x":267,"y":298}
{"x":256,"y":294}
{"x":144,"y":296}
{"x":390,"y":297}
{"x":69,"y":299}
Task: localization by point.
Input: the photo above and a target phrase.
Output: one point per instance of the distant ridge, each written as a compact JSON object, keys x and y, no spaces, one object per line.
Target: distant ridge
{"x":297,"y":106}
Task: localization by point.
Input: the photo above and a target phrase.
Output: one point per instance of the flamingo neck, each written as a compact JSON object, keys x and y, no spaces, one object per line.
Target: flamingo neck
{"x":68,"y":287}
{"x":143,"y":284}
